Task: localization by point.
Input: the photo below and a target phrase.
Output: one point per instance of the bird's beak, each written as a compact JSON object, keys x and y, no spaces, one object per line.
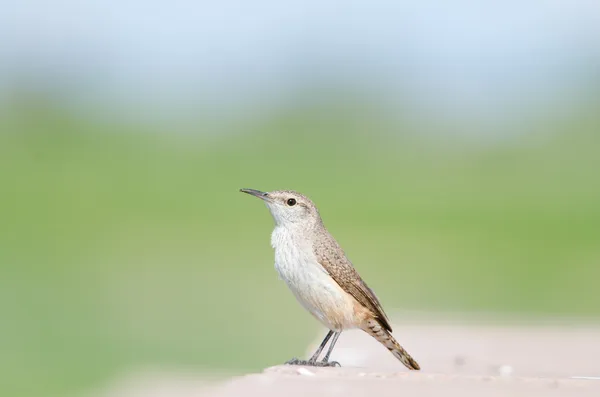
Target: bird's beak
{"x":257,"y":193}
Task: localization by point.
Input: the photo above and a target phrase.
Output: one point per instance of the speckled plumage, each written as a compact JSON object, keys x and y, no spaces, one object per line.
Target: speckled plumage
{"x":317,"y":271}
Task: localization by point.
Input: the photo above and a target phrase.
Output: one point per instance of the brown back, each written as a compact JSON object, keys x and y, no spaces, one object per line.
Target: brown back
{"x":334,"y":261}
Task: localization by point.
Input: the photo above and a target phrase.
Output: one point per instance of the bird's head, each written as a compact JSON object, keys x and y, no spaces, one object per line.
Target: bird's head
{"x":288,"y":208}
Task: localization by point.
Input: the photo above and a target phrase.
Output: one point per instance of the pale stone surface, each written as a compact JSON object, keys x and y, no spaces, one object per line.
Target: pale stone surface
{"x":280,"y":381}
{"x":539,"y":349}
{"x":459,"y":357}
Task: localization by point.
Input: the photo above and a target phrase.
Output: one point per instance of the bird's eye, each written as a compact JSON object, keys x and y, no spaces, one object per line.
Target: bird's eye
{"x":291,"y":202}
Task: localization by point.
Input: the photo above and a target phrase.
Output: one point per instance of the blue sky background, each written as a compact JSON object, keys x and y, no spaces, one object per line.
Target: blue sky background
{"x":449,"y":58}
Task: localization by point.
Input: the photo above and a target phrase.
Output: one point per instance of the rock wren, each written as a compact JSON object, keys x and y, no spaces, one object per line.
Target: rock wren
{"x":323,"y":280}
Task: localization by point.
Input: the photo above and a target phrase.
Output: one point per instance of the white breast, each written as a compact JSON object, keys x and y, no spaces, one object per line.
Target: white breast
{"x":309,"y":281}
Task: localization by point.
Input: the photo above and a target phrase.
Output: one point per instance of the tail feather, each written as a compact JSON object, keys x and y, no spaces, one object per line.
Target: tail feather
{"x":373,"y":328}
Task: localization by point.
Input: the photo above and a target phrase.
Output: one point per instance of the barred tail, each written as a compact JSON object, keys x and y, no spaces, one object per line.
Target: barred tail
{"x":373,"y":328}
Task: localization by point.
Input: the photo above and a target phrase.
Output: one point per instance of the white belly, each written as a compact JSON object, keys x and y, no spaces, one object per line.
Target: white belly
{"x":316,"y":291}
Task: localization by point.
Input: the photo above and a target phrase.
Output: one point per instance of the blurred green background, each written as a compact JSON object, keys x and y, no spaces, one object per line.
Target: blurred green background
{"x":122,"y":249}
{"x":457,"y":173}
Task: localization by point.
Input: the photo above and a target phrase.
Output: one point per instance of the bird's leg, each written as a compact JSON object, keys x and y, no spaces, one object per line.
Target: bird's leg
{"x":315,"y":356}
{"x":313,"y":360}
{"x":326,"y":362}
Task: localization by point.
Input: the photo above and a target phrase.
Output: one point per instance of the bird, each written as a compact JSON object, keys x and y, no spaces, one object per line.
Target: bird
{"x":324,"y":281}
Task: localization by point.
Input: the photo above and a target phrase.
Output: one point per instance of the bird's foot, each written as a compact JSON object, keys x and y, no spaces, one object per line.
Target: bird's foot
{"x":311,"y":363}
{"x":297,"y":361}
{"x":327,"y":364}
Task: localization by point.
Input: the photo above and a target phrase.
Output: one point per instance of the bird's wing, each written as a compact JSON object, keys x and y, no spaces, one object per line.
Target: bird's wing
{"x":334,"y":261}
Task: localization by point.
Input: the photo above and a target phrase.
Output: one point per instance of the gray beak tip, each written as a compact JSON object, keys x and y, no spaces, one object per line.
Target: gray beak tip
{"x":256,"y":193}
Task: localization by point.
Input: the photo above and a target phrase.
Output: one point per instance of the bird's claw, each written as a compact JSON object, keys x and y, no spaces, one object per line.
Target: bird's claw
{"x":296,"y":361}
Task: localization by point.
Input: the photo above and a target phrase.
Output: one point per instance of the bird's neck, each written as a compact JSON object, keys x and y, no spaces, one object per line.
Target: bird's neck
{"x":293,"y":233}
